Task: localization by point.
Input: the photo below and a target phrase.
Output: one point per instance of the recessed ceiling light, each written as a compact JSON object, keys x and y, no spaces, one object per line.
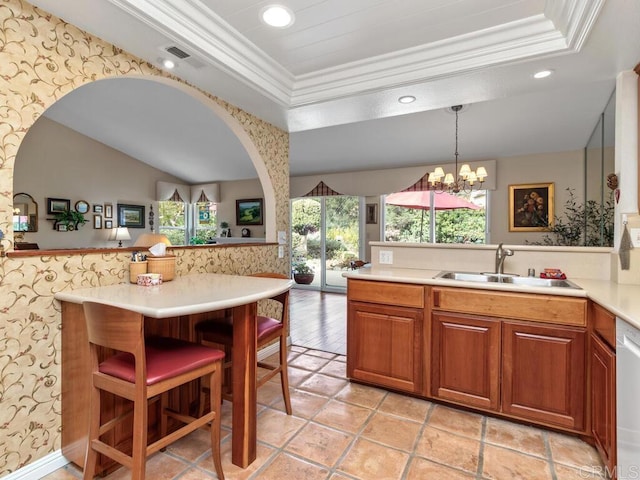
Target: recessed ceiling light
{"x":277,"y":16}
{"x":407,"y":99}
{"x":542,"y":74}
{"x":168,"y":64}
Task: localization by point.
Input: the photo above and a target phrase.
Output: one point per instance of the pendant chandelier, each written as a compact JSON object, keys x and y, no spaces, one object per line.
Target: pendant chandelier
{"x":466,"y":179}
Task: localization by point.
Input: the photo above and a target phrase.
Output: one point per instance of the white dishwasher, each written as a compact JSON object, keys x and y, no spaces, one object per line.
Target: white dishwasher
{"x":628,"y":399}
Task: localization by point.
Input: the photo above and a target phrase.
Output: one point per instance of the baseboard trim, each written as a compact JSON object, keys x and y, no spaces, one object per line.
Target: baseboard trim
{"x":40,"y":468}
{"x":52,"y":462}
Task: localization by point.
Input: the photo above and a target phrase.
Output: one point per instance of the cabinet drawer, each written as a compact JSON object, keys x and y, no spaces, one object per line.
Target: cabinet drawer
{"x":604,"y":324}
{"x":520,"y":306}
{"x":387,"y":293}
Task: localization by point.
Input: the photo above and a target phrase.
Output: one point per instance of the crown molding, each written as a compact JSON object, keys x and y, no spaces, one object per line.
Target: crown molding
{"x":562,"y":28}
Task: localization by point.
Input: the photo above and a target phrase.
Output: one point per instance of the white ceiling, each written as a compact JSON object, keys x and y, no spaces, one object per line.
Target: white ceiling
{"x":333,"y":78}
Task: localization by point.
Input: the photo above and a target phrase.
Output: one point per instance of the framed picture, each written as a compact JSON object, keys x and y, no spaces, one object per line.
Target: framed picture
{"x":372,"y":213}
{"x":249,"y":211}
{"x":62,"y":227}
{"x":97,"y":208}
{"x":97,"y":221}
{"x":57,"y":205}
{"x":530,"y":207}
{"x":131,"y":216}
{"x":108,"y":210}
{"x":108,"y":224}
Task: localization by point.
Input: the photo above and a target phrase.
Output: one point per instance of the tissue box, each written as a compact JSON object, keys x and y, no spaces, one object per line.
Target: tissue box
{"x":148,"y":279}
{"x":164,"y":265}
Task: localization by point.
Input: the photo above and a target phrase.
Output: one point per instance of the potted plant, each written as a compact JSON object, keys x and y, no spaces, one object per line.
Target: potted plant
{"x":70,"y":218}
{"x":302,"y":272}
{"x":224,"y":229}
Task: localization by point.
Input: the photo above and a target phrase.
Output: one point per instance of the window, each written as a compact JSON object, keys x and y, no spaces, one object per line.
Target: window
{"x":204,"y":221}
{"x":172,"y":221}
{"x":436,"y":217}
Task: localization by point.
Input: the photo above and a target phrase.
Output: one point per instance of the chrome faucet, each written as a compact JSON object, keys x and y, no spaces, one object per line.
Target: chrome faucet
{"x":501,"y":254}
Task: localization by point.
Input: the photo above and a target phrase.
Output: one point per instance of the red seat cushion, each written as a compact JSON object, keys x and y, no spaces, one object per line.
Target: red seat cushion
{"x":165,"y":357}
{"x":224,"y":327}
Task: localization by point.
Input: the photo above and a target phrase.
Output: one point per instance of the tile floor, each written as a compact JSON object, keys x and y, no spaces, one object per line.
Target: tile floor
{"x":341,"y":430}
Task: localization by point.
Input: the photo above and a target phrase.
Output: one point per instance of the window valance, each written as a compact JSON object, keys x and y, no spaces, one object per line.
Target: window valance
{"x":208,"y":192}
{"x":175,"y":192}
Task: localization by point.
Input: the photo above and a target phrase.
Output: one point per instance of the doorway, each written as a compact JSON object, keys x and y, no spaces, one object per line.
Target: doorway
{"x":325,"y":235}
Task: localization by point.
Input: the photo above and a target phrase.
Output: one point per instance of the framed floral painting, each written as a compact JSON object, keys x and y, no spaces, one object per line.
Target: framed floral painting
{"x":530,"y":207}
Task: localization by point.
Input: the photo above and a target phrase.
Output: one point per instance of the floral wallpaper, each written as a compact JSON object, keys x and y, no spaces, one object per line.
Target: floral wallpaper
{"x":41,"y":59}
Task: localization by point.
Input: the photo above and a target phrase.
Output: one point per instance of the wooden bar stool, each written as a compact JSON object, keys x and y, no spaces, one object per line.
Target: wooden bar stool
{"x":140,"y":370}
{"x":220,"y":331}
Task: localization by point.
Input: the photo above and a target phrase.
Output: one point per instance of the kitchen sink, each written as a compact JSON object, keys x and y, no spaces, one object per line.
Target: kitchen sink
{"x":513,"y":279}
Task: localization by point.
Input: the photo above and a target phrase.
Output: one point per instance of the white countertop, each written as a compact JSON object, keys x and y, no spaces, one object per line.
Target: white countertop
{"x":621,"y":300}
{"x":203,"y":292}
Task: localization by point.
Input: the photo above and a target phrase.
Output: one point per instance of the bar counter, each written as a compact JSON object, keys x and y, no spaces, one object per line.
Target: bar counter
{"x":172,"y":308}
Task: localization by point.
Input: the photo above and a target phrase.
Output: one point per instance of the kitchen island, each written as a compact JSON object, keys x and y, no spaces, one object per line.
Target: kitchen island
{"x":172,"y":309}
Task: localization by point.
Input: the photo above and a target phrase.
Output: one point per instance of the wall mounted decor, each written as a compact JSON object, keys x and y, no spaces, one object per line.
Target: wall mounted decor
{"x":108,"y":210}
{"x":249,"y":211}
{"x":97,"y":208}
{"x":372,"y":213}
{"x":57,"y":205}
{"x":131,"y":216}
{"x":530,"y":207}
{"x":82,"y":206}
{"x":108,"y":224}
{"x":97,"y":221}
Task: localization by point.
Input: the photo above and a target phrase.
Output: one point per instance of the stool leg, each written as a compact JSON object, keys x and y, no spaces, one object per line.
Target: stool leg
{"x":215,"y":381}
{"x":284,"y":374}
{"x":139,"y":450}
{"x":91,"y":457}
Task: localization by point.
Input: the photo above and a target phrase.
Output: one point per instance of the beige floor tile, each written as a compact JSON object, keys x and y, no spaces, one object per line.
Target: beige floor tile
{"x":287,"y":467}
{"x":515,"y":436}
{"x":303,"y":404}
{"x":343,"y":416}
{"x":392,"y":431}
{"x":361,"y":395}
{"x":233,"y":472}
{"x":573,"y":451}
{"x":159,"y":467}
{"x":297,"y":349}
{"x":367,"y":460}
{"x":501,"y":464}
{"x":422,"y":469}
{"x":407,"y":407}
{"x":339,"y":476}
{"x":323,"y":385}
{"x":320,"y":444}
{"x":449,"y":449}
{"x":341,"y":358}
{"x":276,"y":427}
{"x":456,"y":421}
{"x":68,"y":472}
{"x":197,"y":474}
{"x":321,"y":354}
{"x":336,"y":369}
{"x":297,"y":376}
{"x":585,"y":473}
{"x":309,"y":362}
{"x":270,"y":392}
{"x":194,"y":445}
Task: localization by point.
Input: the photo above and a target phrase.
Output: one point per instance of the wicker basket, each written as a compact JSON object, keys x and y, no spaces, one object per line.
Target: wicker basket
{"x":164,"y":265}
{"x":135,"y":269}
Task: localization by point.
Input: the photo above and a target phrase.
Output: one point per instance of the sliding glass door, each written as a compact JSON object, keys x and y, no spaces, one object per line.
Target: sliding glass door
{"x":325,"y":235}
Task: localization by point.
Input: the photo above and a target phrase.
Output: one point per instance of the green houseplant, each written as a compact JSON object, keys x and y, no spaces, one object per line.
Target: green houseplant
{"x":70,"y":218}
{"x":302,"y":272}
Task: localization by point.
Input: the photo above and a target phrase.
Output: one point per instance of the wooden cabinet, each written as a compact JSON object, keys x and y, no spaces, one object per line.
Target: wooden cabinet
{"x":484,"y":355}
{"x":603,"y":384}
{"x":543,"y":373}
{"x":465,"y":359}
{"x":384,"y":342}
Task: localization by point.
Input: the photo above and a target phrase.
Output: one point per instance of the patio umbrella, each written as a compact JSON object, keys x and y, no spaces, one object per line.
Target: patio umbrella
{"x":422,"y":200}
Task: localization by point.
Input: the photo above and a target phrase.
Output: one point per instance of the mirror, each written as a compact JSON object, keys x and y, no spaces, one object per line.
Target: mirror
{"x":25,"y":213}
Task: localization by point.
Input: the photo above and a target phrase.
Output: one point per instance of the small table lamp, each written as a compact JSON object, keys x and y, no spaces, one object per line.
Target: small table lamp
{"x":120,"y":234}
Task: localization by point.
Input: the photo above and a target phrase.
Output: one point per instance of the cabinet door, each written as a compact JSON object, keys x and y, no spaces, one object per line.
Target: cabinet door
{"x":544,"y":374}
{"x":465,"y":363}
{"x":384,"y":345}
{"x":603,"y":400}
